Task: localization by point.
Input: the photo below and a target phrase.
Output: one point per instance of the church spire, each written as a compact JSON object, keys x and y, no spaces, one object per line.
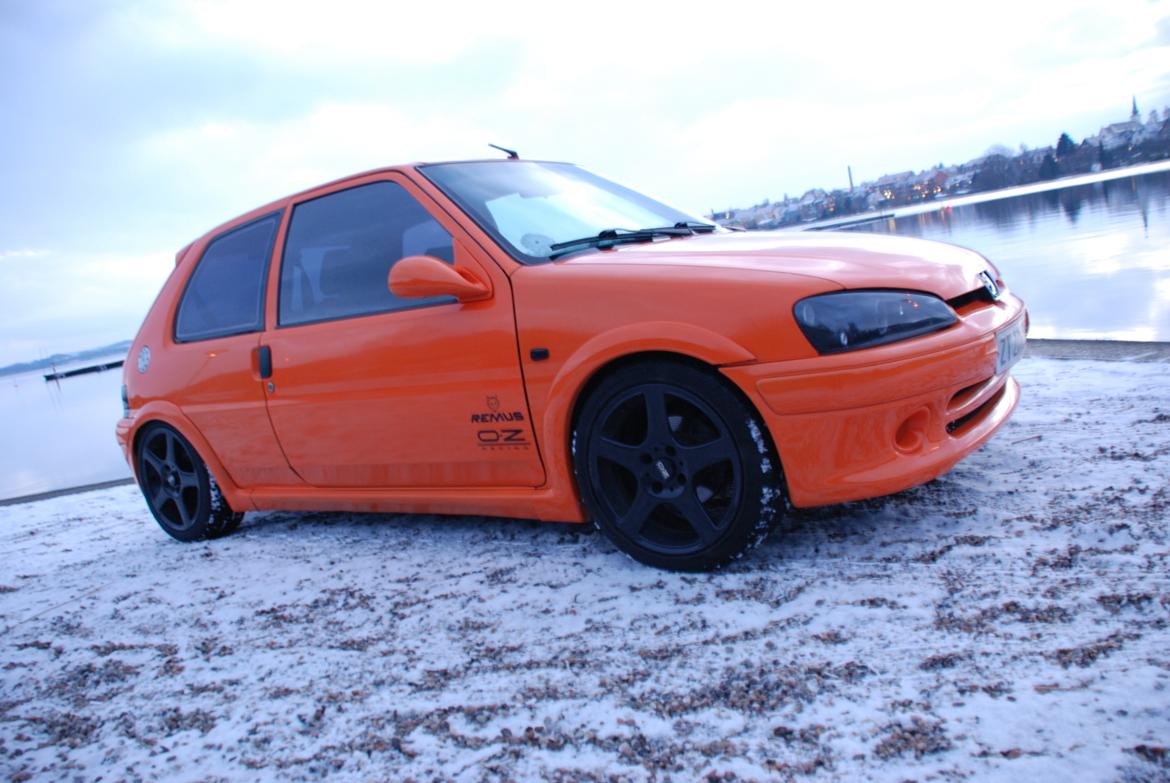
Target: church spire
{"x":1135,"y":114}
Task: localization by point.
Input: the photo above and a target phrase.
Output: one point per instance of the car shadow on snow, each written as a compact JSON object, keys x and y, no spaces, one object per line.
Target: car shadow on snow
{"x":918,"y":519}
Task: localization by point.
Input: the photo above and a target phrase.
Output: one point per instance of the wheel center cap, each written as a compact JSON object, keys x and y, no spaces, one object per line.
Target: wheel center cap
{"x":663,"y":468}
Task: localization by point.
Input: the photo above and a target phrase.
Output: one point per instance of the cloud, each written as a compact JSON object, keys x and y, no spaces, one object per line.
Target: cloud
{"x":67,"y":301}
{"x":139,"y":126}
{"x":342,"y":33}
{"x":23,"y":253}
{"x":245,"y":163}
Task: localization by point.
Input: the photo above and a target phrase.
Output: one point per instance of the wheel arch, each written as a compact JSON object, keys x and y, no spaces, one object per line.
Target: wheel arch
{"x":605,"y":353}
{"x":614,"y":365}
{"x":160,"y":412}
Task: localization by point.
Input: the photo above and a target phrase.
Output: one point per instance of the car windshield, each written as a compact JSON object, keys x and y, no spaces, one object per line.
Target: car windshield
{"x":530,"y":206}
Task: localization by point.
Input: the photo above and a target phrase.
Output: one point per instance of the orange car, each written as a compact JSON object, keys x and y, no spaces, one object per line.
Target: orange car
{"x":521,"y":338}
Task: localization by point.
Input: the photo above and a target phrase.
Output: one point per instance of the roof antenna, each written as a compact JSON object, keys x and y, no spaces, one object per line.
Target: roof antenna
{"x":512,"y":154}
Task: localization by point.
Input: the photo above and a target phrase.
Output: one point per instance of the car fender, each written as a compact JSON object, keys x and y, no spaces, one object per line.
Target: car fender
{"x":170,"y":414}
{"x":627,"y":340}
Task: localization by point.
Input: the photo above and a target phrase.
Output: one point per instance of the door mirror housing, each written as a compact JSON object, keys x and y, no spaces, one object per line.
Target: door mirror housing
{"x":416,"y":277}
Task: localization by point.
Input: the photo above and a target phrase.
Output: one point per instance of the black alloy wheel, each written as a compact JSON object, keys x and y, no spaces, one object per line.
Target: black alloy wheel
{"x":179,"y":490}
{"x":674,"y":467}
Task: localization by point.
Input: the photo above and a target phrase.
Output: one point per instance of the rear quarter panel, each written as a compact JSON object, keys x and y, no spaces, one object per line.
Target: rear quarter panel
{"x":185,"y":387}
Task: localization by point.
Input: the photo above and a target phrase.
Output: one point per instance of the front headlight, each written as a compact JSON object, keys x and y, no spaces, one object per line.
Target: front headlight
{"x":851,"y":320}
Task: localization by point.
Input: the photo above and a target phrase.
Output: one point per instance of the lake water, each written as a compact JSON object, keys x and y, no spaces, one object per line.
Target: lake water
{"x":1092,"y":261}
{"x":59,"y":434}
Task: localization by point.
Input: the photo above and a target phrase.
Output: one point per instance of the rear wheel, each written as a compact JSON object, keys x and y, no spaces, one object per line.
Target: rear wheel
{"x":179,"y":490}
{"x":674,"y":467}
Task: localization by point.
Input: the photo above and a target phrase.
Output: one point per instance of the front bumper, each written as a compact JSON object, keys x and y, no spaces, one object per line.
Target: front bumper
{"x":122,"y":433}
{"x":877,"y":421}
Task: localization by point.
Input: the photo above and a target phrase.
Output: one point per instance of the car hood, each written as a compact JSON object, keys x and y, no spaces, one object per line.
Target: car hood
{"x":851,"y":260}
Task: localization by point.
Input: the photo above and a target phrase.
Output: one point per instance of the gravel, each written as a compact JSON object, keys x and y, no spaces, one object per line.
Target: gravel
{"x":1008,"y":621}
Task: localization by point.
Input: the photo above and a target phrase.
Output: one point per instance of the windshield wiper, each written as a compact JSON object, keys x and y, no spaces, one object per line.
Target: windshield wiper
{"x":603,"y":240}
{"x":683,"y":228}
{"x":689,"y":227}
{"x":607,"y":238}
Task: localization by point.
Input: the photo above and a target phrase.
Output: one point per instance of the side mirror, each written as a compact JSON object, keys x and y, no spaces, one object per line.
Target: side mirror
{"x":415,"y":277}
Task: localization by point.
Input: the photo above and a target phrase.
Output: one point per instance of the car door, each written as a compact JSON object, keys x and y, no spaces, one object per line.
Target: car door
{"x":371,"y":390}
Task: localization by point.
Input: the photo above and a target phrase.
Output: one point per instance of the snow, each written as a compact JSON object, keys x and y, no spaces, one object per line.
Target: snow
{"x":1005,"y":622}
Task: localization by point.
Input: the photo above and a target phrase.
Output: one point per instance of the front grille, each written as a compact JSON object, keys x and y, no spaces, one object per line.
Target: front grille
{"x":955,"y":427}
{"x":966,"y":395}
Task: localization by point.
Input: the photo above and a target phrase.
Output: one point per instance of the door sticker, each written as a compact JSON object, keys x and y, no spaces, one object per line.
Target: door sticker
{"x":497,"y":429}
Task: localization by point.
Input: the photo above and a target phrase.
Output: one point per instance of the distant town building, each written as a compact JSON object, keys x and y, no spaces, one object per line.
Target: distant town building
{"x":1130,"y":132}
{"x":1117,"y":144}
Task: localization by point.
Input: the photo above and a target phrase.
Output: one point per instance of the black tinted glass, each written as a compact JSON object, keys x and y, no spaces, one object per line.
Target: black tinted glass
{"x":340,"y":249}
{"x":225,"y":294}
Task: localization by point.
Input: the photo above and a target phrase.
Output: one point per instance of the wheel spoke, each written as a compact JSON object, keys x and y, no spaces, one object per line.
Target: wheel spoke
{"x":696,"y":516}
{"x":187,"y":478}
{"x":635,"y":517}
{"x":658,"y":429}
{"x":698,"y":458}
{"x":184,"y":513}
{"x":158,"y":497}
{"x":621,"y":454}
{"x":170,"y":452}
{"x":169,"y":515}
{"x":151,"y":460}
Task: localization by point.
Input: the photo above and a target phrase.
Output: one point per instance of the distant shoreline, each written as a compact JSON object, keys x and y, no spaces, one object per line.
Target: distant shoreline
{"x":989,"y":195}
{"x":63,"y":359}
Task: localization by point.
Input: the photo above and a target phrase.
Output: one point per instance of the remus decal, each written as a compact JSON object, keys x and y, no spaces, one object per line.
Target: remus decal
{"x":493,"y":414}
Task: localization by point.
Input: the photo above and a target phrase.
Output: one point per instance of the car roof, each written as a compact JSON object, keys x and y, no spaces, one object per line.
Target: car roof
{"x":281,"y":202}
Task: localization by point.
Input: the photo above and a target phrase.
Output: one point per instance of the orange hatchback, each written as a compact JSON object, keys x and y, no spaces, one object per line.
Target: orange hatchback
{"x":527,"y":339}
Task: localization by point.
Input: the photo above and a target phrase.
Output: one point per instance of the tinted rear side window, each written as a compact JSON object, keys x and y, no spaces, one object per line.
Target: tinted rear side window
{"x":340,"y":248}
{"x":225,"y":294}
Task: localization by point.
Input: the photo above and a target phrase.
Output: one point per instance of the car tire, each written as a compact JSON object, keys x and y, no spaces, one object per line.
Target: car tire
{"x":675,"y":467}
{"x":179,"y":490}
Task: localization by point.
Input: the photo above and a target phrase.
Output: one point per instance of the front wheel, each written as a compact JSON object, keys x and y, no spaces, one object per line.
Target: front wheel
{"x":674,"y":466}
{"x":179,"y":490}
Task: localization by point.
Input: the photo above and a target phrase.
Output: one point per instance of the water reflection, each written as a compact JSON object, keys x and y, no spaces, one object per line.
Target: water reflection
{"x":59,"y":434}
{"x":1092,"y":261}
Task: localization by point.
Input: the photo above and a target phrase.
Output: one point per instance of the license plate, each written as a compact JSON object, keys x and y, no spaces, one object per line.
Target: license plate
{"x":1009,"y":344}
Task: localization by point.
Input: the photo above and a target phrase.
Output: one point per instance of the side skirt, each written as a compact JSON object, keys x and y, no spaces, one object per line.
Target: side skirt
{"x":523,"y":503}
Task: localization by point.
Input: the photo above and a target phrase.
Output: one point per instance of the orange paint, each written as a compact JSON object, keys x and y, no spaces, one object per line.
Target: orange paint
{"x":466,"y":405}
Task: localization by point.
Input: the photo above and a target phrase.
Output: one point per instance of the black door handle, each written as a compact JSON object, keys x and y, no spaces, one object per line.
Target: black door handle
{"x":264,"y":359}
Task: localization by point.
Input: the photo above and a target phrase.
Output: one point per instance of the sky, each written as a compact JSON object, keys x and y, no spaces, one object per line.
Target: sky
{"x":129,"y":128}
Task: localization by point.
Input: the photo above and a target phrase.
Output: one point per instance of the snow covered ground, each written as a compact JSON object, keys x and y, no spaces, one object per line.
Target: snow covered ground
{"x":1006,"y":622}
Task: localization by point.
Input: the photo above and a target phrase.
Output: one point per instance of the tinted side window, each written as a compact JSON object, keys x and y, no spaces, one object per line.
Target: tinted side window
{"x":340,"y":249}
{"x":225,"y":294}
